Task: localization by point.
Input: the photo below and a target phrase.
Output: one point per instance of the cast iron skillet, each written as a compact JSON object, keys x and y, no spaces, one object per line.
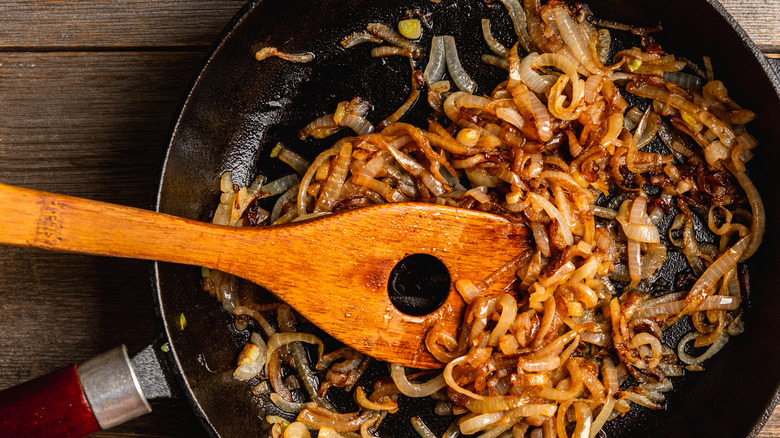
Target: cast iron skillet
{"x":239,"y":108}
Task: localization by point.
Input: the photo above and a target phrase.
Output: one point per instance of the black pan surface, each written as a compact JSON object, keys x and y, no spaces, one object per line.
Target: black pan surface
{"x":239,"y":108}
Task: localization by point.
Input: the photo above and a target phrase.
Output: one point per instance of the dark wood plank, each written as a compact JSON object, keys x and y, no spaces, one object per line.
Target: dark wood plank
{"x":94,"y":125}
{"x":772,"y":427}
{"x":760,"y":19}
{"x":151,"y":23}
{"x":113,"y":23}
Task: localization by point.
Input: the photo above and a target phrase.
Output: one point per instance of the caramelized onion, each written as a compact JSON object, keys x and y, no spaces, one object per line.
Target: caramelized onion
{"x":386,"y":33}
{"x":758,"y":218}
{"x":279,"y":339}
{"x":703,"y":286}
{"x":554,"y":213}
{"x":450,"y":381}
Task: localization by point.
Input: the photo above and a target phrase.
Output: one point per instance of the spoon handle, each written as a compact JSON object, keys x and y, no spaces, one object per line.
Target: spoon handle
{"x":57,"y":222}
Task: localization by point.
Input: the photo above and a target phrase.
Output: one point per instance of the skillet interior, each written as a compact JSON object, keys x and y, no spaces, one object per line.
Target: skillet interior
{"x":239,"y":108}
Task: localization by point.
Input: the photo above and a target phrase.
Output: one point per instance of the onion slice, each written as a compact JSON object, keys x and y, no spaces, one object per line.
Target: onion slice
{"x":451,"y":381}
{"x":759,"y":213}
{"x":458,"y":74}
{"x":278,"y":339}
{"x":538,"y":83}
{"x":517,"y":14}
{"x":491,"y":41}
{"x":575,"y":39}
{"x":713,"y":348}
{"x":554,"y":213}
{"x":437,"y":64}
{"x":410,"y":389}
{"x":704,"y":285}
{"x":391,"y":36}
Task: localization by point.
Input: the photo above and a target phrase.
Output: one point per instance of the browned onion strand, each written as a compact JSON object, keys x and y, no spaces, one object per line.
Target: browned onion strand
{"x":547,"y":340}
{"x":268,"y":52}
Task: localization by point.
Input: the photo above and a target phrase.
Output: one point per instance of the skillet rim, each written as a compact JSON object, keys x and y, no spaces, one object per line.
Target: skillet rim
{"x":172,"y":359}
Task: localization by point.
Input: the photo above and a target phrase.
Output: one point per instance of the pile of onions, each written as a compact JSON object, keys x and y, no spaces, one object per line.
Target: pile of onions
{"x":547,"y":342}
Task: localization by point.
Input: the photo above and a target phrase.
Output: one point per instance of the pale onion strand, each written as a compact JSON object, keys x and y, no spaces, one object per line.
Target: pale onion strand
{"x":602,"y":417}
{"x":508,"y":307}
{"x":713,"y":302}
{"x":541,"y":238}
{"x":410,"y":389}
{"x":437,"y":64}
{"x":491,"y":41}
{"x":575,"y":39}
{"x":535,"y":81}
{"x":479,"y":422}
{"x":517,"y":14}
{"x":711,"y":351}
{"x":457,"y":73}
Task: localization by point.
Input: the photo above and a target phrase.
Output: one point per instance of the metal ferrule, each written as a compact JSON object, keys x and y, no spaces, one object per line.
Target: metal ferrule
{"x":112,"y":388}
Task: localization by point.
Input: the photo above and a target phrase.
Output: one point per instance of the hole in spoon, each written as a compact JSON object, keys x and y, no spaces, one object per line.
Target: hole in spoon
{"x":418,"y":284}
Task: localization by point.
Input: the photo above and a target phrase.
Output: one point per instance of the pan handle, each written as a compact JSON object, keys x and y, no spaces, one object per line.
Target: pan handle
{"x":76,"y":400}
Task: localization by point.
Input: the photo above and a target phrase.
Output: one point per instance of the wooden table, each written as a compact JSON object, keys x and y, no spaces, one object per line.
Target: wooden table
{"x":88,"y":93}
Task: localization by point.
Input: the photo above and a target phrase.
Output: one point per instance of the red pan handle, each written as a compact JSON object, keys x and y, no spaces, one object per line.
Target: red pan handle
{"x":51,"y":405}
{"x":74,"y":401}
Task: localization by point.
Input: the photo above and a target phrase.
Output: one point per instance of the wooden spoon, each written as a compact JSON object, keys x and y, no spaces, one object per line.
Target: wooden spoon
{"x":333,"y":270}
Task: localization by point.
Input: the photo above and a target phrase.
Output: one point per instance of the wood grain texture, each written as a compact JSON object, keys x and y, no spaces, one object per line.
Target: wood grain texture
{"x":93,"y":121}
{"x":113,"y":23}
{"x":90,"y":118}
{"x":760,"y":19}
